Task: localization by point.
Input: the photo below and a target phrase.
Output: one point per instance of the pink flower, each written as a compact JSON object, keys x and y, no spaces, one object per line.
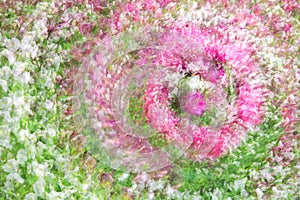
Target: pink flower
{"x":218,"y":149}
{"x":194,"y":103}
{"x":229,"y":137}
{"x":85,"y":28}
{"x":164,"y":2}
{"x":97,"y":4}
{"x":157,"y":113}
{"x":214,"y":75}
{"x":215,"y":54}
{"x":249,"y":105}
{"x":287,"y":28}
{"x":291,"y":5}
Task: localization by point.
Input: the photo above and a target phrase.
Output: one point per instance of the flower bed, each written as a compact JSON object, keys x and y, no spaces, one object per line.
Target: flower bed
{"x":149,"y":99}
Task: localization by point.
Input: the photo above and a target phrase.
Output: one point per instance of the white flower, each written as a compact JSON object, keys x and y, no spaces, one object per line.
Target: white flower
{"x":50,"y":175}
{"x":259,"y":193}
{"x":172,"y":79}
{"x":51,"y":132}
{"x":123,"y":177}
{"x":19,"y":68}
{"x":156,"y":185}
{"x":85,"y":187}
{"x":71,"y":179}
{"x":3,"y":84}
{"x":54,"y":59}
{"x":12,"y":44}
{"x":30,"y":196}
{"x":41,"y":146}
{"x":67,"y":193}
{"x":47,"y":76}
{"x":6,"y":106}
{"x":8,"y":185}
{"x":49,"y":105}
{"x":28,"y":45}
{"x":5,"y":72}
{"x":170,"y":191}
{"x":55,"y":195}
{"x":11,"y":166}
{"x":9,"y":55}
{"x":41,"y":28}
{"x":278,"y":169}
{"x":244,"y":193}
{"x":60,"y":160}
{"x":239,"y":184}
{"x":21,"y":107}
{"x":266,"y":174}
{"x":26,"y":78}
{"x":217,"y":194}
{"x":279,"y":194}
{"x":38,"y":187}
{"x":19,"y":102}
{"x":25,"y":135}
{"x":195,"y":83}
{"x":196,"y":197}
{"x":16,"y":177}
{"x":12,"y":123}
{"x":39,"y":169}
{"x":5,"y":137}
{"x":151,"y":196}
{"x":22,"y":156}
{"x":28,"y":39}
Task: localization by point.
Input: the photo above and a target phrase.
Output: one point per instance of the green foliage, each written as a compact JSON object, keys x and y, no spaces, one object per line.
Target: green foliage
{"x":206,"y":176}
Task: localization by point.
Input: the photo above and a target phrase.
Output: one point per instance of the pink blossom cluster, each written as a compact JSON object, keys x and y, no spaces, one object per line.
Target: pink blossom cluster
{"x":247,"y":109}
{"x":222,"y":54}
{"x":194,"y":103}
{"x":131,"y":12}
{"x":158,"y":113}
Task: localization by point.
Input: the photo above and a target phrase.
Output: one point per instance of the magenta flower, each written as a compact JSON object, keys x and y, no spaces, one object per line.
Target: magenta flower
{"x":214,"y":75}
{"x":194,"y":103}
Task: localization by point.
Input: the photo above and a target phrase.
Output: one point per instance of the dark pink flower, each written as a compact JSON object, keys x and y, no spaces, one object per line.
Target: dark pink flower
{"x":287,"y":28}
{"x":215,"y":54}
{"x":291,"y":5}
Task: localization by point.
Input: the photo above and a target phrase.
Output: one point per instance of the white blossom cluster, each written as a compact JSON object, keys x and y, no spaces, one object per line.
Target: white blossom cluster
{"x":33,"y":165}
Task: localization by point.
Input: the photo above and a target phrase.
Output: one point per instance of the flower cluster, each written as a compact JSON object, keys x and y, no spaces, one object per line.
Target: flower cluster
{"x":34,"y":163}
{"x":200,"y":78}
{"x":149,"y":99}
{"x":225,"y":102}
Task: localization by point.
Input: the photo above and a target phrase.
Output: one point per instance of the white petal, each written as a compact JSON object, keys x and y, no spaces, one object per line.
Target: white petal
{"x":19,"y":68}
{"x":9,"y":55}
{"x":3,"y":84}
{"x":22,"y":156}
{"x":38,"y":187}
{"x":16,"y":177}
